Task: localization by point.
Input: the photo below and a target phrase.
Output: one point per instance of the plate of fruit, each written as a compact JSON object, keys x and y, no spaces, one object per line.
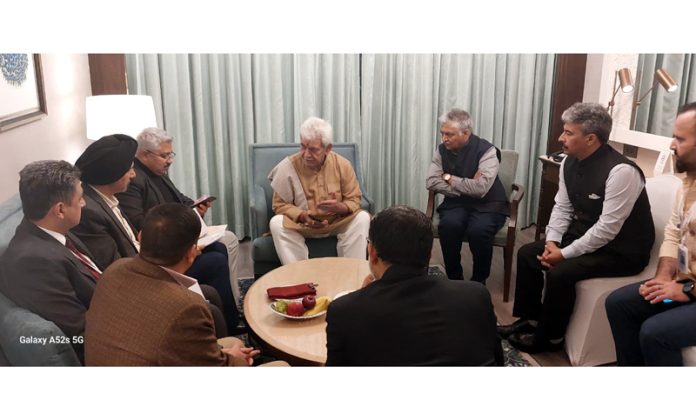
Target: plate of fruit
{"x":308,"y":307}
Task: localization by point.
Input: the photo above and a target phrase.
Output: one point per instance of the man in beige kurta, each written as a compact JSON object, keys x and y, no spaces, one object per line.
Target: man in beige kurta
{"x":316,"y":194}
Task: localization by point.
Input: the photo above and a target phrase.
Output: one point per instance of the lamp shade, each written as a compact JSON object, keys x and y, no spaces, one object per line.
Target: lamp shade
{"x":625,"y":80}
{"x":118,"y":114}
{"x":666,"y":80}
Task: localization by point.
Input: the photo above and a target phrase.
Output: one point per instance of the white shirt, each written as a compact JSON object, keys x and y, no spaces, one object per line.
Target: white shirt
{"x":61,"y":238}
{"x":112,"y":202}
{"x":622,"y":188}
{"x":186,"y":281}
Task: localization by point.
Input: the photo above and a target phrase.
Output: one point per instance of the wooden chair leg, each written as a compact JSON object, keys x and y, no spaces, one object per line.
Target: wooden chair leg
{"x":507,"y":256}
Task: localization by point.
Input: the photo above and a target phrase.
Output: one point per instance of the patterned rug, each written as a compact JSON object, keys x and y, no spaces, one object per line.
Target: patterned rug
{"x":512,"y":356}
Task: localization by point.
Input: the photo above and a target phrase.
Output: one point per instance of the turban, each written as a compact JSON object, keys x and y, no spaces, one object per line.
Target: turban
{"x":106,"y":160}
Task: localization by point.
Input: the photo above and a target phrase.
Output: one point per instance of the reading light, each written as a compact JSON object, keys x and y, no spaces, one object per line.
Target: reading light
{"x":625,"y":84}
{"x":661,"y":77}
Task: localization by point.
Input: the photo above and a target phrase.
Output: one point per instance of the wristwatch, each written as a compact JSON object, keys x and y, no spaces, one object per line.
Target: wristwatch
{"x":688,"y":288}
{"x":447,"y":177}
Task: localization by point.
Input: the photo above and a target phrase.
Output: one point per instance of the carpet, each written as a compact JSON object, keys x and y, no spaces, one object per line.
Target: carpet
{"x":512,"y":356}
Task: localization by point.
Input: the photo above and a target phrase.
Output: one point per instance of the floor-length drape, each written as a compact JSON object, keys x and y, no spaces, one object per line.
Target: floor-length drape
{"x":658,"y":110}
{"x":216,"y":105}
{"x":508,"y":96}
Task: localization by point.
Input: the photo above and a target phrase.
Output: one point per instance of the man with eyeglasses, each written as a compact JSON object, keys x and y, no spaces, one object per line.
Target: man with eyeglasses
{"x":152,"y":186}
{"x":316,"y":194}
{"x":465,"y":170}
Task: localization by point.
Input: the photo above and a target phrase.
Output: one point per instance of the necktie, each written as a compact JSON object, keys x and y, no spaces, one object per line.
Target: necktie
{"x":83,"y":258}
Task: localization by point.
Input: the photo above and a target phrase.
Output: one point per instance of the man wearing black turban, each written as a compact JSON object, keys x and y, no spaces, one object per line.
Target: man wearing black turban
{"x":107,"y":169}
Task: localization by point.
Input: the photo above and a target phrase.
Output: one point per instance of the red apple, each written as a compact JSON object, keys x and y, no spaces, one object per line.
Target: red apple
{"x":295,"y":308}
{"x":309,"y":302}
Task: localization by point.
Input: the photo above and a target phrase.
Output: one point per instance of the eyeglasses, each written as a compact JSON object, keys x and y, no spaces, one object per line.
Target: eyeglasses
{"x":448,"y":134}
{"x":165,"y":156}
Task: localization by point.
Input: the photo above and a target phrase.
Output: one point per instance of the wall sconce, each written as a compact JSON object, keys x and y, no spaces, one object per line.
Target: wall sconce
{"x":625,"y":84}
{"x":661,"y":77}
{"x":118,"y":114}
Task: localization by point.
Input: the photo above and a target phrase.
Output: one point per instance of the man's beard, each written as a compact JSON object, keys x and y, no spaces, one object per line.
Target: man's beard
{"x":680,"y":166}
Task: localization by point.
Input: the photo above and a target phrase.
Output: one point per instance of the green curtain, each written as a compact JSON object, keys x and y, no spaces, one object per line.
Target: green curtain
{"x":216,"y":105}
{"x":658,"y":110}
{"x":508,"y":96}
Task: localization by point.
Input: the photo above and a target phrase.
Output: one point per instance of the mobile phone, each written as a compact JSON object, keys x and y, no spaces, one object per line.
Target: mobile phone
{"x":203,"y":199}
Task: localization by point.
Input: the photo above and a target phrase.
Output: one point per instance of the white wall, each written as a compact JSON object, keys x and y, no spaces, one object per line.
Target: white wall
{"x":58,"y":135}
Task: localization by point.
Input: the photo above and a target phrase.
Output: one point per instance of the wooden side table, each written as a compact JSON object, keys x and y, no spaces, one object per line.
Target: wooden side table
{"x":549,"y":188}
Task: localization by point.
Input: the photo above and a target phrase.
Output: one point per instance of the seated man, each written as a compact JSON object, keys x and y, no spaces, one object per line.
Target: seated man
{"x":107,"y":169}
{"x":648,"y":330}
{"x":316,"y":194}
{"x":600,"y":226}
{"x":405,"y":317}
{"x":143,"y":313}
{"x":152,"y":186}
{"x":46,"y":269}
{"x":465,"y":170}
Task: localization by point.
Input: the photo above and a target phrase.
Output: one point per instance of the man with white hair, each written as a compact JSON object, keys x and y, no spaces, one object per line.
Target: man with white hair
{"x":152,"y":187}
{"x":316,"y":194}
{"x":465,"y":169}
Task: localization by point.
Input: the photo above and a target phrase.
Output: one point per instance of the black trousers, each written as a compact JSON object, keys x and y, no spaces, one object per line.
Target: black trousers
{"x":553,"y":313}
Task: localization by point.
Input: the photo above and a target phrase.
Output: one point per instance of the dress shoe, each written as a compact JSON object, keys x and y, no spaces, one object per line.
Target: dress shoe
{"x":529,"y":343}
{"x":521,"y":326}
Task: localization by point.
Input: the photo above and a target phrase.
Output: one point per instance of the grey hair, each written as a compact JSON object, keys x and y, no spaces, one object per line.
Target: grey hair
{"x":44,"y":183}
{"x":459,"y":117}
{"x":314,"y":127}
{"x":151,"y":138}
{"x":593,"y":119}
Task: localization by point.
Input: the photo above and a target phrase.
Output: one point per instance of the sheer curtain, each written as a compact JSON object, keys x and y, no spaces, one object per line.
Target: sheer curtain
{"x":657,"y":112}
{"x":216,"y":105}
{"x":507,"y":95}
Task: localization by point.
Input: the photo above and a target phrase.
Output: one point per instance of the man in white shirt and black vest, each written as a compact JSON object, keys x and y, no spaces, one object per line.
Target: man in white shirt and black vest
{"x":465,"y":169}
{"x":600,"y":226}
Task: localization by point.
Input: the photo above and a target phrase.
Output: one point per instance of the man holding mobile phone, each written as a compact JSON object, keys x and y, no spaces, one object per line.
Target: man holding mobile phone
{"x":653,"y":320}
{"x":152,"y":186}
{"x":316,"y":194}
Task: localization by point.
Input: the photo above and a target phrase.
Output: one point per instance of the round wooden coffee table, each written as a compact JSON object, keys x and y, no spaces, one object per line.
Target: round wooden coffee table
{"x":300,"y":342}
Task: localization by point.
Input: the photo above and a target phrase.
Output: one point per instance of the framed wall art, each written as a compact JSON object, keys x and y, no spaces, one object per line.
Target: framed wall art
{"x":22,"y":97}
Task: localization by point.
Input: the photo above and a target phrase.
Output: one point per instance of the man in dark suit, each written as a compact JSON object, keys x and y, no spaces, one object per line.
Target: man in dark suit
{"x":152,"y":186}
{"x":106,"y":169}
{"x":46,"y":269}
{"x":405,"y":317}
{"x":146,"y":312}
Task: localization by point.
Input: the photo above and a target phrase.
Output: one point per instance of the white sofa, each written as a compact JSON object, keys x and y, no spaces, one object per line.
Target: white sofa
{"x":588,"y":339}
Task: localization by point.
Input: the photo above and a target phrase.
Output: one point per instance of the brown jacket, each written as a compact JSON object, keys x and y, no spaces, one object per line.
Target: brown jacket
{"x":140,"y":316}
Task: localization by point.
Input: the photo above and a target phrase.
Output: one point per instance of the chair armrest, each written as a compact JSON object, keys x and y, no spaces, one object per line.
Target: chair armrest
{"x":430,"y":208}
{"x":515,"y":198}
{"x":259,"y":212}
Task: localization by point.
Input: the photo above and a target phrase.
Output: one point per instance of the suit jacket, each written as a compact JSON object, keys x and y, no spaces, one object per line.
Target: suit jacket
{"x":410,"y":318}
{"x":101,"y":231}
{"x":141,"y":316}
{"x":142,"y":195}
{"x":42,"y":275}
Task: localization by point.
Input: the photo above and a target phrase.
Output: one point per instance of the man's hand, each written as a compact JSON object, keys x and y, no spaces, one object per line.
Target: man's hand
{"x":203,"y":208}
{"x":552,"y":255}
{"x":368,"y":279}
{"x":653,"y":284}
{"x":655,"y":292}
{"x":333,"y":206}
{"x":310,"y":222}
{"x":244,"y":354}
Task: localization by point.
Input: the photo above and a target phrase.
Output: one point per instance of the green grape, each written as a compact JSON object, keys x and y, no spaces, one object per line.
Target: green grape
{"x":281,"y":306}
